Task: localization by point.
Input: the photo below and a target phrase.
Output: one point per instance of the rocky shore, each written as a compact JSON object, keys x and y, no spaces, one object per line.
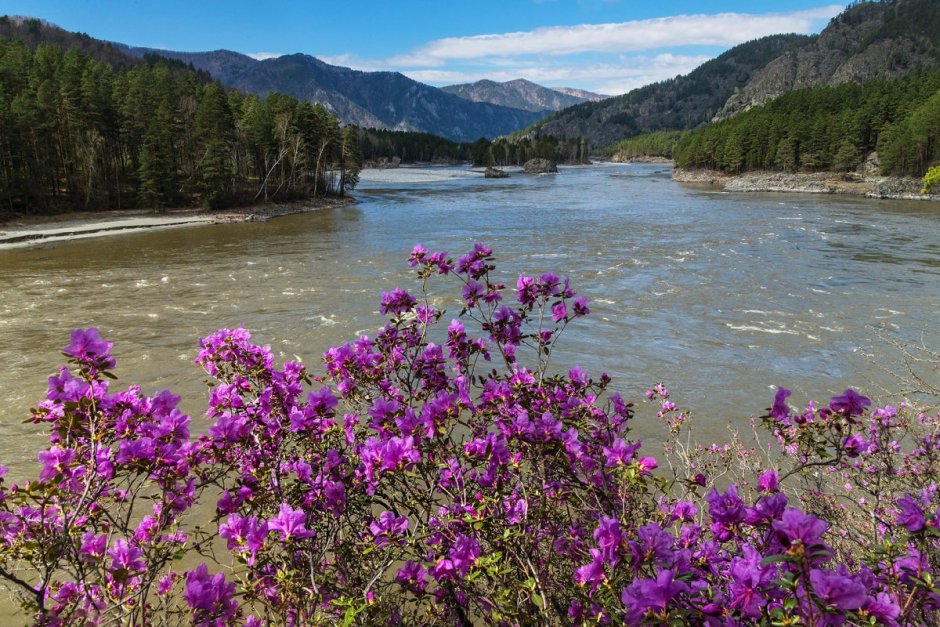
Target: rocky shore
{"x":809,"y":183}
{"x":30,"y":230}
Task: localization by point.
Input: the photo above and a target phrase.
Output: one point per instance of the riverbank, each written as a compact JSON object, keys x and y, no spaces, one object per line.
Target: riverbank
{"x":33,"y":230}
{"x":892,"y":187}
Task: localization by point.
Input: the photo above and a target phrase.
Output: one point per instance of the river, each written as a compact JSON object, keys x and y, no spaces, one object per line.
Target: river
{"x":719,"y":295}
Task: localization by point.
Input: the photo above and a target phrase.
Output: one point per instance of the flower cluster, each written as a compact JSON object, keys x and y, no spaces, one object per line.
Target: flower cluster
{"x":416,"y":481}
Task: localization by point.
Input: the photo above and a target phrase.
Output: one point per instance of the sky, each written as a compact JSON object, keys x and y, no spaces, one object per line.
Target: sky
{"x":604,"y":46}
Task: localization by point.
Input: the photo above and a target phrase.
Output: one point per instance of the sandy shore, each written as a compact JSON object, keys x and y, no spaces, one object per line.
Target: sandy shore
{"x":33,"y":230}
{"x":809,"y":183}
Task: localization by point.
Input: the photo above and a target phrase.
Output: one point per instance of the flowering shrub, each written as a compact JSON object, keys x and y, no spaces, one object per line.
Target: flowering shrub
{"x":445,"y":475}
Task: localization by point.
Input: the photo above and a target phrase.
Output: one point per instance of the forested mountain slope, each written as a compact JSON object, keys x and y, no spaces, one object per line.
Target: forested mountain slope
{"x":868,"y":40}
{"x":827,"y":129}
{"x":680,"y":103}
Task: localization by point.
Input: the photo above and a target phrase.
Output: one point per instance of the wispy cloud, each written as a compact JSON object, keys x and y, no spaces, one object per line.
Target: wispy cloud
{"x":610,"y":58}
{"x":261,"y":56}
{"x":724,"y":29}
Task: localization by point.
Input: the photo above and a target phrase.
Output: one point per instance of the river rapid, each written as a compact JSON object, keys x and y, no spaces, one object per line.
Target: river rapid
{"x":718,"y":295}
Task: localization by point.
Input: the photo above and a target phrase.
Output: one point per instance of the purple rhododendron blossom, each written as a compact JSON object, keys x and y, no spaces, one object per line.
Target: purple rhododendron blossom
{"x":592,"y":573}
{"x":768,"y":482}
{"x":55,"y":462}
{"x":386,"y":527}
{"x":609,"y":539}
{"x":795,"y":526}
{"x":397,"y":302}
{"x":780,"y":410}
{"x":290,"y":523}
{"x":850,"y":402}
{"x":910,"y":516}
{"x":210,"y":594}
{"x":88,"y":346}
{"x":838,"y":591}
{"x":645,"y":595}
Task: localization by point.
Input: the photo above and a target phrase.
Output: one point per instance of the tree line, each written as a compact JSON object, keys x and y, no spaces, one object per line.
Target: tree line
{"x":79,"y":133}
{"x":827,"y":129}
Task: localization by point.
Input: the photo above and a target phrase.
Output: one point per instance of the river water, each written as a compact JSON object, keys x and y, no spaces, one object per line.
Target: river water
{"x":719,"y":295}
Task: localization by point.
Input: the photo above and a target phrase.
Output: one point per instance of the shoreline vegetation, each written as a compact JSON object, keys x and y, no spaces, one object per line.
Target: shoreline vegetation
{"x":40,"y":229}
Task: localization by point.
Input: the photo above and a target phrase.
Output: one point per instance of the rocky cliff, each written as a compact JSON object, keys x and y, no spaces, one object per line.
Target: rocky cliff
{"x":868,"y":40}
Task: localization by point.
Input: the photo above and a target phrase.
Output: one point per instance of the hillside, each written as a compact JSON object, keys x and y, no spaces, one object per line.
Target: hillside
{"x":387,"y":100}
{"x":867,"y":41}
{"x":680,"y":103}
{"x":826,"y":129}
{"x":79,"y":132}
{"x":518,"y":94}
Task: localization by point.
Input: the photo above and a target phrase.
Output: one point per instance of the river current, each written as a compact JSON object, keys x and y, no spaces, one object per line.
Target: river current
{"x":719,"y":295}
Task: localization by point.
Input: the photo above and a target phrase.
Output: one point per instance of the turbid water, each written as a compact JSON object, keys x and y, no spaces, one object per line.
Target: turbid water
{"x":719,"y":295}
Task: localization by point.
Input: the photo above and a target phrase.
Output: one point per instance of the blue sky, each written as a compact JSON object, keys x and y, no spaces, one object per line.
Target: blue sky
{"x":608,"y":46}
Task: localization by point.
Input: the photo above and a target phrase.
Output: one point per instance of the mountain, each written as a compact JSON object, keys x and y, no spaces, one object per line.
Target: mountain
{"x":868,"y":40}
{"x":518,"y":94}
{"x":33,"y":32}
{"x":680,"y":103}
{"x":385,"y":100}
{"x":583,"y":94}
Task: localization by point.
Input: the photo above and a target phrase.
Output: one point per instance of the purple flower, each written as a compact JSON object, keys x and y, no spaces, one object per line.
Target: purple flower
{"x":620,"y":453}
{"x":290,"y":523}
{"x":837,"y":591}
{"x":399,"y":452}
{"x":88,"y":347}
{"x":125,"y":558}
{"x":473,"y":292}
{"x":883,"y":607}
{"x":727,"y":509}
{"x":243,"y":533}
{"x":768,"y":482}
{"x":93,"y":547}
{"x":559,"y":311}
{"x":55,"y":462}
{"x":526,"y":290}
{"x":749,"y":579}
{"x":654,"y":544}
{"x":609,"y":539}
{"x":397,"y":302}
{"x":850,"y":402}
{"x":855,"y":445}
{"x":797,"y":528}
{"x":413,"y":576}
{"x":647,"y":465}
{"x":388,"y":526}
{"x":581,"y":306}
{"x":644,"y":595}
{"x":417,"y":255}
{"x":210,"y":596}
{"x":911,"y":516}
{"x":780,"y":410}
{"x":140,"y":450}
{"x":592,"y":573}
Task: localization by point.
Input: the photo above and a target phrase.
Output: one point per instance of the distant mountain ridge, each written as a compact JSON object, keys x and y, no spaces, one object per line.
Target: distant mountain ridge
{"x":521,"y":94}
{"x":385,"y":100}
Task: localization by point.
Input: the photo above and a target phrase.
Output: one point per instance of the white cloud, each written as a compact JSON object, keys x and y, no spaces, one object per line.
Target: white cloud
{"x":261,"y":56}
{"x":724,"y":29}
{"x":610,"y":58}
